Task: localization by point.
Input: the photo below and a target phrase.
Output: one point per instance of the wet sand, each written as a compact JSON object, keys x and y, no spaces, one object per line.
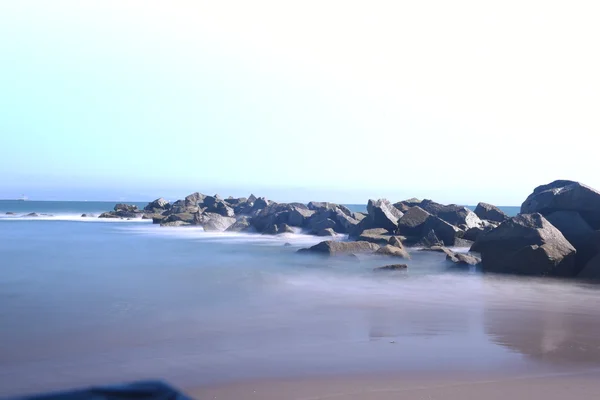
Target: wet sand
{"x":501,"y":386}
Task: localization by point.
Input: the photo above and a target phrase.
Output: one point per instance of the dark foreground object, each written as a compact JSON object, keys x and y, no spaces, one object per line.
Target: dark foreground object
{"x":151,"y":390}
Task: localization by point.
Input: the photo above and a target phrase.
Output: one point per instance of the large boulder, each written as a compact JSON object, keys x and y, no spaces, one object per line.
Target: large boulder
{"x":299,"y":216}
{"x":565,"y":195}
{"x":413,"y":221}
{"x":490,"y":212}
{"x":461,"y":258}
{"x":120,"y":207}
{"x":332,"y":248}
{"x":459,"y":216}
{"x":241,"y":225}
{"x":382,"y":214}
{"x":184,"y":217}
{"x":157,"y":206}
{"x":212,"y":222}
{"x":218,"y":206}
{"x":578,"y":232}
{"x":526,"y":245}
{"x":194,"y":199}
{"x":406,"y":205}
{"x":442,"y":230}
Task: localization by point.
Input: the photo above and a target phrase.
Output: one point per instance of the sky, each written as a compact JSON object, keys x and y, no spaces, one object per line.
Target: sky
{"x":459,"y":101}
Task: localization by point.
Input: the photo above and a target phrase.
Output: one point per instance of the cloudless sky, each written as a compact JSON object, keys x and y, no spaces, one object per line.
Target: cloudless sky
{"x":459,"y":101}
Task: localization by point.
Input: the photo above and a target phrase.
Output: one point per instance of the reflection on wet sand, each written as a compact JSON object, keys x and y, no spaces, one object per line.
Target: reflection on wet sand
{"x":551,"y":322}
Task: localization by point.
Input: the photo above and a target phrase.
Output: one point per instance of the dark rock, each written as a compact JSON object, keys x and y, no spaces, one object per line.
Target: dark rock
{"x":157,"y":219}
{"x":406,"y":205}
{"x":10,"y":213}
{"x":376,"y":235}
{"x":344,"y":222}
{"x":157,"y":206}
{"x":109,"y":215}
{"x":431,"y":206}
{"x":429,"y":240}
{"x":88,"y":216}
{"x":235,"y":202}
{"x":413,"y":221}
{"x":153,"y":216}
{"x":578,"y":232}
{"x":321,"y":221}
{"x":389,"y":250}
{"x":444,"y":232}
{"x":392,"y":267}
{"x":126,"y":207}
{"x":287,"y":245}
{"x":490,"y":212}
{"x":241,"y":225}
{"x":299,"y":216}
{"x":591,"y":270}
{"x":326,"y":232}
{"x":383,"y":214}
{"x":458,"y":215}
{"x":332,"y":248}
{"x":526,"y":245}
{"x":221,"y":208}
{"x":359,"y":216}
{"x":32,"y":215}
{"x":473,"y":233}
{"x":565,"y":195}
{"x":260,"y":203}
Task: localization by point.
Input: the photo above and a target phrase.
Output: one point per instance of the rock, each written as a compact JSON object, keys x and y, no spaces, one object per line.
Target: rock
{"x":194,"y":200}
{"x":184,"y":217}
{"x":126,"y":207}
{"x":241,"y":225}
{"x":332,"y":248}
{"x":157,"y":219}
{"x":232,"y":202}
{"x":344,"y":222}
{"x":153,"y":216}
{"x":157,"y":206}
{"x":271,"y":230}
{"x":383,"y":214}
{"x":359,"y":216}
{"x":461,"y":258}
{"x":406,"y":205}
{"x":10,"y":213}
{"x":578,"y":232}
{"x":175,"y":224}
{"x":431,"y":206}
{"x":565,"y":195}
{"x":591,"y":270}
{"x":320,"y":221}
{"x":392,"y":267}
{"x":299,"y":216}
{"x":32,"y":215}
{"x":285,"y":228}
{"x":443,"y":231}
{"x":473,"y":233}
{"x":108,"y":215}
{"x":88,"y":216}
{"x":458,"y":215}
{"x":490,"y":212}
{"x":221,"y":208}
{"x":326,"y":232}
{"x":213,"y":222}
{"x":396,"y":242}
{"x":413,"y":221}
{"x":287,"y":244}
{"x":430,"y":240}
{"x":376,"y":235}
{"x":389,"y":250}
{"x":526,"y":245}
{"x":252,"y":198}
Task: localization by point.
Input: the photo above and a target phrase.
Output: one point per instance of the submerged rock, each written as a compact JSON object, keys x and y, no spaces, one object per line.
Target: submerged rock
{"x":526,"y":245}
{"x":392,"y":267}
{"x":326,"y":232}
{"x":376,"y":235}
{"x":332,"y":248}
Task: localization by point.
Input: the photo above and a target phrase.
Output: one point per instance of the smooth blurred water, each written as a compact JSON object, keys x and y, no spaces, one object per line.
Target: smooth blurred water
{"x":92,"y":301}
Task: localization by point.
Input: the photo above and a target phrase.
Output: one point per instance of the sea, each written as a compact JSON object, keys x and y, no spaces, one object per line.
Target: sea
{"x":89,"y":301}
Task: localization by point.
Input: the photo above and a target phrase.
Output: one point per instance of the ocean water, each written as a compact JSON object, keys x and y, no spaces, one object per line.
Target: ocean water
{"x":89,"y":301}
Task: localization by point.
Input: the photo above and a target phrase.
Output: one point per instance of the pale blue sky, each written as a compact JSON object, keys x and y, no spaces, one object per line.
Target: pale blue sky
{"x":340,"y":100}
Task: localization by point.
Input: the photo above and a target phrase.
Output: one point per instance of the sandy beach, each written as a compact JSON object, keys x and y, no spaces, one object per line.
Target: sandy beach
{"x":502,"y":385}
